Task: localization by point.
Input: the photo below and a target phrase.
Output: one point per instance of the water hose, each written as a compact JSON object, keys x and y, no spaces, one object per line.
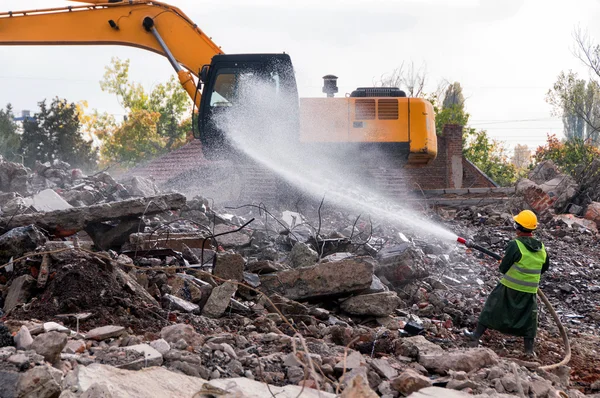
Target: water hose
{"x":542,"y":296}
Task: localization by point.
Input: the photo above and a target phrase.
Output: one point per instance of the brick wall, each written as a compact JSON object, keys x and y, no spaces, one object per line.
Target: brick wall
{"x":449,"y":169}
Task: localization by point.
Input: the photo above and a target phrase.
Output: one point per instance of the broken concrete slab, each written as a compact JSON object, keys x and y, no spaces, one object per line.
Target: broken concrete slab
{"x":230,"y":266}
{"x":353,"y":360}
{"x":410,"y":381}
{"x":592,"y":213}
{"x":172,"y":334}
{"x":219,"y":300}
{"x":302,"y":255}
{"x":437,"y":392}
{"x":401,"y":264}
{"x":321,"y":280}
{"x":151,"y":357}
{"x":49,"y":345}
{"x":8,"y":383}
{"x":140,"y":186}
{"x":40,"y":382}
{"x":19,"y":292}
{"x":383,"y":367}
{"x":69,"y":221}
{"x":20,"y":240}
{"x":158,"y":382}
{"x":231,"y":240}
{"x":23,"y":339}
{"x":48,"y":200}
{"x":266,"y":267}
{"x":161,"y":346}
{"x":105,"y":332}
{"x":171,"y":303}
{"x":75,"y":347}
{"x":177,"y":241}
{"x":374,"y":304}
{"x":465,"y":360}
{"x":416,"y":346}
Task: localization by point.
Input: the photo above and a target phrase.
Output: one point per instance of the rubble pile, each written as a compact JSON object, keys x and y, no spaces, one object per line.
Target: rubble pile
{"x":245,"y":303}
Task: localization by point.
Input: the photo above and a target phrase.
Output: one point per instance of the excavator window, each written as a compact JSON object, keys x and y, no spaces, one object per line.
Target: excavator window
{"x":232,"y":86}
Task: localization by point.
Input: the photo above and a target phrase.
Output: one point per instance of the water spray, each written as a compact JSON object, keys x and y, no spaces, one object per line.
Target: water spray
{"x":470,"y":244}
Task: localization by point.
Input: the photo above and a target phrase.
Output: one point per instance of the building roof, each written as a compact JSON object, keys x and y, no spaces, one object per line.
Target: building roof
{"x":172,"y":164}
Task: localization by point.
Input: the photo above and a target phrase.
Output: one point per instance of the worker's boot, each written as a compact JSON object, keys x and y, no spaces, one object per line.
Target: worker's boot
{"x":476,"y":335}
{"x":528,"y":344}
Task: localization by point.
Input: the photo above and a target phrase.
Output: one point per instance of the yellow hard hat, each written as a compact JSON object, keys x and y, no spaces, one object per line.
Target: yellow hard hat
{"x":527,"y":219}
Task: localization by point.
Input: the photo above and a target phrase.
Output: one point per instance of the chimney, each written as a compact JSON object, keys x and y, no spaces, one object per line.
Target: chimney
{"x":330,"y":85}
{"x":453,"y":135}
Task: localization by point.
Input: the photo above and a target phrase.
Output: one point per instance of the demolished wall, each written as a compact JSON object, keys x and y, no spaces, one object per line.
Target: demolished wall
{"x":450,"y":169}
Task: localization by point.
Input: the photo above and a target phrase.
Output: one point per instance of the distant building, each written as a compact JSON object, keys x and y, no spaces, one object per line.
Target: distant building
{"x":25,"y":115}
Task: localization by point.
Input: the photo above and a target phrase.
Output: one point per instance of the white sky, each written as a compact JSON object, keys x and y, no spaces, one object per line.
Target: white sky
{"x":505,"y":53}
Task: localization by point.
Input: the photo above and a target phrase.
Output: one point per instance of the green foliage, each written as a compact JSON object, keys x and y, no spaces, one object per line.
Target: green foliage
{"x":167,"y":106}
{"x":489,"y":156}
{"x":577,"y":101}
{"x":140,"y":133}
{"x":10,"y":140}
{"x":568,"y":154}
{"x":451,"y":110}
{"x":54,"y":133}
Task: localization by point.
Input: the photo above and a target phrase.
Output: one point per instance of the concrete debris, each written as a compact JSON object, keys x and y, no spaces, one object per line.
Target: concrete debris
{"x":375,"y":304}
{"x":327,"y":279}
{"x":49,"y":345}
{"x":23,"y":339}
{"x":139,"y":279}
{"x":18,"y":241}
{"x":105,"y":332}
{"x":302,"y":255}
{"x":219,"y":300}
{"x":410,"y":381}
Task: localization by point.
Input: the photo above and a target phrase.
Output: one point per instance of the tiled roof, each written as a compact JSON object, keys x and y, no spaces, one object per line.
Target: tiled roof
{"x":172,"y":164}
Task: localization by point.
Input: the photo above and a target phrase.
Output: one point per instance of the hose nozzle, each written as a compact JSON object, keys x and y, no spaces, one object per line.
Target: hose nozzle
{"x":466,"y":242}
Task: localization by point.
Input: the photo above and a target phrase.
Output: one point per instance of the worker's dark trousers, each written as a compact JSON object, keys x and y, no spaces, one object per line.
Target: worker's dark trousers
{"x":528,"y":343}
{"x":479,"y":331}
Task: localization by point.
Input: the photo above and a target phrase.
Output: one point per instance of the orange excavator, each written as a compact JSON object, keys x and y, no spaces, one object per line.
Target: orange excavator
{"x":369,"y":119}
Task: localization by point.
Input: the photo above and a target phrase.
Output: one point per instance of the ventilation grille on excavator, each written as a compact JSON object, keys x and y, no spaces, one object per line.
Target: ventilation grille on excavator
{"x":387,"y":109}
{"x":365,"y":109}
{"x":378,"y":92}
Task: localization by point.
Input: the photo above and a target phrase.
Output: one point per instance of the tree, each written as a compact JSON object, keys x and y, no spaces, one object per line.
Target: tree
{"x":10,"y":140}
{"x":54,"y":134}
{"x":568,"y":155}
{"x":409,"y":78}
{"x":167,"y":105}
{"x":136,"y":139}
{"x":521,"y":157}
{"x":489,"y":156}
{"x":452,"y":110}
{"x":578,"y":102}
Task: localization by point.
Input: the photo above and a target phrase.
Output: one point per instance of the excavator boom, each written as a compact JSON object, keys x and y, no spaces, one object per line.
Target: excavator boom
{"x":115,"y":23}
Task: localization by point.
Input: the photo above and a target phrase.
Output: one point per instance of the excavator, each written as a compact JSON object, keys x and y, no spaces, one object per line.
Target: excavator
{"x":366,"y":123}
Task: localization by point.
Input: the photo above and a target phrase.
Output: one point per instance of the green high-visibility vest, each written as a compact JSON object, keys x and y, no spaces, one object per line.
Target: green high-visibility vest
{"x":524,"y":275}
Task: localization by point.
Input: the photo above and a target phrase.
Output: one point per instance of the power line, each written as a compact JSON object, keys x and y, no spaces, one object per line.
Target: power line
{"x":484,"y":122}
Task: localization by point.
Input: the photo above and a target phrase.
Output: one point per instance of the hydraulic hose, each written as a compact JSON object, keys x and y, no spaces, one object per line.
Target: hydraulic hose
{"x":542,"y":296}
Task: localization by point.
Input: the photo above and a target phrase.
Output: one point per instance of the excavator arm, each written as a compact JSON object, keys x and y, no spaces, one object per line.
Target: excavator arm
{"x":150,"y":25}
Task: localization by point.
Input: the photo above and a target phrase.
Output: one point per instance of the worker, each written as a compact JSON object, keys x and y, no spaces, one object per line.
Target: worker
{"x":511,"y":308}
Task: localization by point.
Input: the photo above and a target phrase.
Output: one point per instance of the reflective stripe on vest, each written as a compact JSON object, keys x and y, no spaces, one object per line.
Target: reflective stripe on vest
{"x":525,"y":275}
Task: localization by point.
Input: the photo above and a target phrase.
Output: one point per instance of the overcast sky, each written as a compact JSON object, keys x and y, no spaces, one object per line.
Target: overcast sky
{"x":505,"y":53}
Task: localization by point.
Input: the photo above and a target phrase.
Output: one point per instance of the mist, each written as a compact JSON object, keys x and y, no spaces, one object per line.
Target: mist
{"x":259,"y":127}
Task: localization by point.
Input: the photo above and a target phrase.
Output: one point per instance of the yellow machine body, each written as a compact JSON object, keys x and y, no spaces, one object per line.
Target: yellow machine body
{"x":376,"y":120}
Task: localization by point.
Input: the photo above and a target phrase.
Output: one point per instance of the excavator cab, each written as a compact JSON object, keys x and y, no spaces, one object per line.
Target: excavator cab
{"x":246,"y":94}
